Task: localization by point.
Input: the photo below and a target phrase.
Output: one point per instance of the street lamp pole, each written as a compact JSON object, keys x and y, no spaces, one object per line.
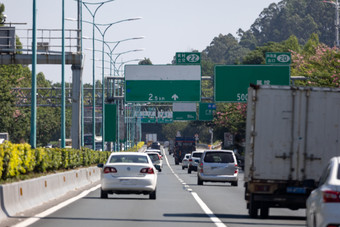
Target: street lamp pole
{"x":103,"y":76}
{"x":33,"y":138}
{"x":62,"y":139}
{"x":93,"y":14}
{"x":119,"y":54}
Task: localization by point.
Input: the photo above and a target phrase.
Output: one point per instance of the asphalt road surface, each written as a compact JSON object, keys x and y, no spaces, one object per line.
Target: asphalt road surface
{"x":180,"y":202}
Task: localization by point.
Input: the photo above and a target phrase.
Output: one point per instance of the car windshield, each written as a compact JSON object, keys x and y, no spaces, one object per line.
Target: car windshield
{"x":197,"y":155}
{"x":154,"y":157}
{"x":128,"y":159}
{"x":219,"y":157}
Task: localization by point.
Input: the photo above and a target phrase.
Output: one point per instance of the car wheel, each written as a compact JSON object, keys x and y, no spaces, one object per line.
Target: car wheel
{"x":199,"y":181}
{"x":189,"y":170}
{"x":152,"y":195}
{"x":160,"y":169}
{"x":183,"y":167}
{"x":103,"y":194}
{"x":234,"y":183}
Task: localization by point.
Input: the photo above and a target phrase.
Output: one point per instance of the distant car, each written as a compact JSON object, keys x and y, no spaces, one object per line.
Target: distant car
{"x":155,"y":150}
{"x":194,"y":160}
{"x":128,"y":173}
{"x":218,"y":166}
{"x":156,"y":145}
{"x":323,"y":204}
{"x":185,"y":161}
{"x":156,"y":160}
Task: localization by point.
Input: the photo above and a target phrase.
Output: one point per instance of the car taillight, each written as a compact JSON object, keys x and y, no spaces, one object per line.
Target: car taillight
{"x":160,"y":157}
{"x":190,"y":160}
{"x":333,"y":225}
{"x":236,"y":169}
{"x":147,"y":170}
{"x":331,"y":196}
{"x":201,"y":167}
{"x":110,"y":170}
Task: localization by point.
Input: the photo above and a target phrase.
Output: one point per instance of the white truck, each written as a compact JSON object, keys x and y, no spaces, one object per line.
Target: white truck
{"x":291,"y":133}
{"x":150,"y":138}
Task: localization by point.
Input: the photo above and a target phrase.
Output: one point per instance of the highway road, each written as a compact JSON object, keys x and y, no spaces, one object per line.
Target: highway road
{"x":180,"y":202}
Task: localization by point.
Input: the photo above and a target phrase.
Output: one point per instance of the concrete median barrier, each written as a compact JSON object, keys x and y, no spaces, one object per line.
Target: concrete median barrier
{"x":24,"y":195}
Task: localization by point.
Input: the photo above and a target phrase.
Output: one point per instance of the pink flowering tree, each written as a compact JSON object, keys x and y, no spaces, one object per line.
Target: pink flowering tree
{"x":320,"y":65}
{"x":230,"y":117}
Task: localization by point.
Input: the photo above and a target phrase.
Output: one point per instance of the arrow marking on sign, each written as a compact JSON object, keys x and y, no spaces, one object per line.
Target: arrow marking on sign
{"x":174,"y":97}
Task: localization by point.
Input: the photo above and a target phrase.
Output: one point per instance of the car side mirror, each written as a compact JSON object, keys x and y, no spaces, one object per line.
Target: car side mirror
{"x":100,"y":165}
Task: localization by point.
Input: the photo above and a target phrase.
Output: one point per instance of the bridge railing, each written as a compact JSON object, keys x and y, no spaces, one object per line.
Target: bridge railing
{"x":49,"y":41}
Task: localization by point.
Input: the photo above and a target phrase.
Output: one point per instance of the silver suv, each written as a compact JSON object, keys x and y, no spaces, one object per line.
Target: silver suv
{"x":218,"y":166}
{"x":194,"y":160}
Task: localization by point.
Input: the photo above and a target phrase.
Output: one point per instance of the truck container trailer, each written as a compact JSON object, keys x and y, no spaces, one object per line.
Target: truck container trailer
{"x":291,"y":133}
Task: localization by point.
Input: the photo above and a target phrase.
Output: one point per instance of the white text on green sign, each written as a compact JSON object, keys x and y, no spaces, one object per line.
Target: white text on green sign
{"x":162,"y":83}
{"x":188,"y":58}
{"x":278,"y":58}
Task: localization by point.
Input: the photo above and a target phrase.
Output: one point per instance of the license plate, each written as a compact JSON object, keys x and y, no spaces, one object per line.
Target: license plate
{"x":296,"y":190}
{"x":125,"y":181}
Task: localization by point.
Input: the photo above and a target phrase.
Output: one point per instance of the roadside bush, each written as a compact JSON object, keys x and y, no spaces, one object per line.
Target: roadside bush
{"x":20,"y":159}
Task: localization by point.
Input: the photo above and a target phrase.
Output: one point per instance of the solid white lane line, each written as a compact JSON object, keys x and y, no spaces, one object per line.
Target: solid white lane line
{"x":200,"y":202}
{"x":37,"y":217}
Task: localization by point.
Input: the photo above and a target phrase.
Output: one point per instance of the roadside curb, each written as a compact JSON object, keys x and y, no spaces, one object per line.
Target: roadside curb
{"x":24,"y":195}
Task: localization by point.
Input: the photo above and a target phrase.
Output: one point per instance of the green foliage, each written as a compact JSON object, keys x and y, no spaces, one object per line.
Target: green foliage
{"x":225,"y":49}
{"x":295,"y":17}
{"x":231,"y":116}
{"x":20,"y":159}
{"x":258,"y":56}
{"x":145,"y":61}
{"x":319,"y":64}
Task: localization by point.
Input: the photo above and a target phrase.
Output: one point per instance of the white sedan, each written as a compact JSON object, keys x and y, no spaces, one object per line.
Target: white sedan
{"x":323,"y":204}
{"x":128,"y":173}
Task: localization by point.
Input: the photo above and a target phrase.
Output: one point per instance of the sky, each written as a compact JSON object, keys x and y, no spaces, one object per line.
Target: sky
{"x":167,"y":27}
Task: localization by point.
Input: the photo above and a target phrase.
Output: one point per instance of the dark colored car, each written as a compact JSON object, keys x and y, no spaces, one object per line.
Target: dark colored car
{"x":155,"y":145}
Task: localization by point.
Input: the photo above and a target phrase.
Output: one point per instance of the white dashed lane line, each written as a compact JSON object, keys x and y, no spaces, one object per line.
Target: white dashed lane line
{"x":200,"y":202}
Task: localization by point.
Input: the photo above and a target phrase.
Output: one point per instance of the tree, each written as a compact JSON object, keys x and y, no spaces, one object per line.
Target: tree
{"x":230,"y":117}
{"x":225,"y":49}
{"x":258,"y":56}
{"x":295,"y":17}
{"x":318,"y":63}
{"x":146,"y":61}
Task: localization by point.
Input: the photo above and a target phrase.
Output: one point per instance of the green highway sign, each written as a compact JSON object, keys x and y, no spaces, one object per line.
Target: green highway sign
{"x":184,"y":111}
{"x":162,"y":83}
{"x":206,"y":111}
{"x":188,"y":58}
{"x":148,"y":116}
{"x":184,"y":116}
{"x":231,"y":82}
{"x":110,"y":122}
{"x":164,"y":117}
{"x":278,"y":58}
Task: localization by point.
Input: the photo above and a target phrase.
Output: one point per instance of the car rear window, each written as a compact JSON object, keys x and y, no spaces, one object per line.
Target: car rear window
{"x":154,"y":157}
{"x":218,"y":157}
{"x":128,"y":159}
{"x":197,"y":155}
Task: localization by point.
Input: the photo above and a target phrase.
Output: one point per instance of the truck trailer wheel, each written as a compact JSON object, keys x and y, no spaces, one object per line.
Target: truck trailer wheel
{"x":253,"y":208}
{"x":199,"y":181}
{"x":264,"y":212}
